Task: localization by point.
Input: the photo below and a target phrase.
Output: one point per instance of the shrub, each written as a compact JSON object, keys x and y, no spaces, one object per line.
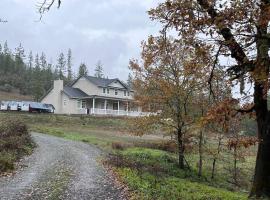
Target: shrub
{"x":15,"y":141}
{"x":169,"y":146}
{"x":119,"y":145}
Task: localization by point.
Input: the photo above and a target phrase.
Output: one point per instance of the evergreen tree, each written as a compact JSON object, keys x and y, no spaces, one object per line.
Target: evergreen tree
{"x":6,"y":49}
{"x":61,"y":66}
{"x":69,"y":66}
{"x":37,"y":63}
{"x":30,"y":60}
{"x":37,"y":89}
{"x":82,"y":70}
{"x":43,"y":62}
{"x":99,"y":70}
{"x":129,"y":80}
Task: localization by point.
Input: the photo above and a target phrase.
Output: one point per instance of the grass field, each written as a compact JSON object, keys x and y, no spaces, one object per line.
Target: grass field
{"x":5,"y":96}
{"x":143,"y":163}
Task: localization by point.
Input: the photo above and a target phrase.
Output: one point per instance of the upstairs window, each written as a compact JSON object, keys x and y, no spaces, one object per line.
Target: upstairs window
{"x":116,"y":92}
{"x":65,"y":102}
{"x":128,"y":93}
{"x":125,"y":93}
{"x":104,"y":90}
{"x":108,"y":91}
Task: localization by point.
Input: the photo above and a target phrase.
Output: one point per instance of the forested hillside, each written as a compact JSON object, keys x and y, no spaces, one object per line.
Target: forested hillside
{"x":31,"y":74}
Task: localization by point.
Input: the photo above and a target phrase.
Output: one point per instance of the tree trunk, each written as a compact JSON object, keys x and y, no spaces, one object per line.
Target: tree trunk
{"x":235,"y":178}
{"x":181,"y":149}
{"x":200,"y":154}
{"x":215,"y":158}
{"x":261,"y":182}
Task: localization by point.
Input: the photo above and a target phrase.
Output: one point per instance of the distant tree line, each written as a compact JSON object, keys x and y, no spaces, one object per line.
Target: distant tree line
{"x":32,"y":74}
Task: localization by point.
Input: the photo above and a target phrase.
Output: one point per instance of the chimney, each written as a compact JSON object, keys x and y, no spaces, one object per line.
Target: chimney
{"x":58,"y":85}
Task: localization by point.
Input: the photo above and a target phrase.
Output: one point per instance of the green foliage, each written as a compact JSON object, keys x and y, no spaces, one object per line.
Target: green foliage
{"x":83,"y":70}
{"x":33,"y":77}
{"x":154,"y":174}
{"x":148,"y":187}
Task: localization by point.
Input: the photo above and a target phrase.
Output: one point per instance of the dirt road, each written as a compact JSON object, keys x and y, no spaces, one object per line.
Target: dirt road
{"x":59,"y":169}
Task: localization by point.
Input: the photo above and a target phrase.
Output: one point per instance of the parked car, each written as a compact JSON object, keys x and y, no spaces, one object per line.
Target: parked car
{"x":49,"y":108}
{"x":4,"y":105}
{"x":13,"y":106}
{"x":24,"y":106}
{"x":37,"y":107}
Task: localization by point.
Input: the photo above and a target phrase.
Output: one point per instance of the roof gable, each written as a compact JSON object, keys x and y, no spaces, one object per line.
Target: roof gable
{"x":101,"y":82}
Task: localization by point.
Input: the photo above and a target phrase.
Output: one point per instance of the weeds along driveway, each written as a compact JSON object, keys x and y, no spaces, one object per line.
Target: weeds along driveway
{"x":59,"y":169}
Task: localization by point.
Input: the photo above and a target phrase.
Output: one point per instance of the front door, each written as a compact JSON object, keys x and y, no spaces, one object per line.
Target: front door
{"x":115,"y":106}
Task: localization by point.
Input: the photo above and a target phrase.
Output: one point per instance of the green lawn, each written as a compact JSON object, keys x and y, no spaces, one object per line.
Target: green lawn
{"x":154,"y":174}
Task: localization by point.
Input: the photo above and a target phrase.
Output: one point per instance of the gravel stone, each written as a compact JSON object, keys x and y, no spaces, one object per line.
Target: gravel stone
{"x":60,"y":169}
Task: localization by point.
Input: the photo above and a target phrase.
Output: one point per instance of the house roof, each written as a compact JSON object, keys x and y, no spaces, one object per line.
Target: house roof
{"x":74,"y":92}
{"x":102,"y":82}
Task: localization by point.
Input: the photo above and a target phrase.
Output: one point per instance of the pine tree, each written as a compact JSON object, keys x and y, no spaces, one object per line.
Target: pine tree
{"x":6,"y":49}
{"x":61,"y":66}
{"x":37,"y":63}
{"x":129,"y":80}
{"x":43,"y":62}
{"x":99,"y":70}
{"x":82,"y":70}
{"x":37,"y":89}
{"x":69,"y":66}
{"x":30,"y":60}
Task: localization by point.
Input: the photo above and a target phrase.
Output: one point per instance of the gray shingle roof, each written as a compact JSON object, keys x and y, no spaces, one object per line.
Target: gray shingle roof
{"x":74,"y":92}
{"x":103,"y":82}
{"x":100,"y":81}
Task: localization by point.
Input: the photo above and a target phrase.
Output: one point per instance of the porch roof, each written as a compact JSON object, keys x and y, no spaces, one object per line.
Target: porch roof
{"x":106,"y":98}
{"x":74,"y":93}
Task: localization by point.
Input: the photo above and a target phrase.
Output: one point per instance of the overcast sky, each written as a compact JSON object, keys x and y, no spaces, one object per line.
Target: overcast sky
{"x":106,"y":30}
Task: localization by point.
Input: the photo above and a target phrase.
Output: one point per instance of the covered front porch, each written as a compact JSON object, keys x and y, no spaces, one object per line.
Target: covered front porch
{"x":109,"y":106}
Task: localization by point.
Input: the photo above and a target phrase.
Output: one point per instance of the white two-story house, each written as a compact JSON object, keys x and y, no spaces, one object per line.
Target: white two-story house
{"x":92,"y":95}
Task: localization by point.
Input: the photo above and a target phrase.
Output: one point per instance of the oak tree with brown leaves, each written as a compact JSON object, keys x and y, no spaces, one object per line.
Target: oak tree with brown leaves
{"x":237,"y":30}
{"x":165,"y":84}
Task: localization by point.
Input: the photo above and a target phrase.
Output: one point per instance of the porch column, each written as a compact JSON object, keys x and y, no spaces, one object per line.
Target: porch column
{"x":127,"y":108}
{"x":93,"y":108}
{"x":105,"y":106}
{"x":118,"y":104}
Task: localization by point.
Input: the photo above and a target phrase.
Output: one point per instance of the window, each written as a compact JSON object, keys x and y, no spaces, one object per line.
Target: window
{"x":83,"y":104}
{"x":104,"y":90}
{"x":128,"y":93}
{"x":108,"y":91}
{"x":125,"y":93}
{"x":78,"y":103}
{"x":116,"y":92}
{"x":65,"y":102}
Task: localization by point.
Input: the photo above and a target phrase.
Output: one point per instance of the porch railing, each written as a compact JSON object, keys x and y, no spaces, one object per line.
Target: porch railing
{"x":97,"y":111}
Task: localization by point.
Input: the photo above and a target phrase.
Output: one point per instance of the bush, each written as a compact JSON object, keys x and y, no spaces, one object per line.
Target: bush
{"x":169,"y":146}
{"x":119,"y":145}
{"x":15,"y":141}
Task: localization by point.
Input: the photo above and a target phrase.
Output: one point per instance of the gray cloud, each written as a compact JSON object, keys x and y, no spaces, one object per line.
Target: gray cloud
{"x":106,"y":30}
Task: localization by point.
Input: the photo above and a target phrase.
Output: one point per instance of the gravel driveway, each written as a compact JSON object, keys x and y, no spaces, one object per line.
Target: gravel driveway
{"x":59,"y":169}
